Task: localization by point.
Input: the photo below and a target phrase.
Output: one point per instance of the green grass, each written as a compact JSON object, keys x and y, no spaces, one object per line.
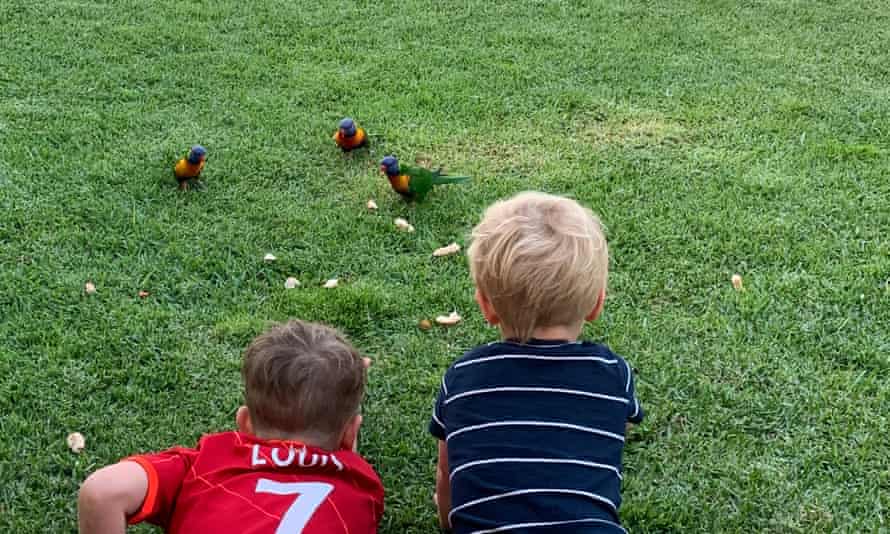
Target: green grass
{"x":712,"y":137}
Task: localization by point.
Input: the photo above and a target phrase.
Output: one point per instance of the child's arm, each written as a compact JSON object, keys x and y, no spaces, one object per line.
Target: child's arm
{"x":443,"y":487}
{"x":635,"y":411}
{"x":109,"y":496}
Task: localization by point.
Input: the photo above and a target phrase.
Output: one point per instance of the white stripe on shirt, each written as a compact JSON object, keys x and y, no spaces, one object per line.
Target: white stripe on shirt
{"x":547,"y":524}
{"x":534,"y":460}
{"x":538,"y":390}
{"x":532,"y":357}
{"x":592,"y":496}
{"x":627,"y":387}
{"x":537,"y":423}
{"x":436,"y":419}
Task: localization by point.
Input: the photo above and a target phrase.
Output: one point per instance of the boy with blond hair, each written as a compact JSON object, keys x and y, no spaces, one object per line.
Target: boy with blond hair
{"x":531,"y":428}
{"x":290,"y":468}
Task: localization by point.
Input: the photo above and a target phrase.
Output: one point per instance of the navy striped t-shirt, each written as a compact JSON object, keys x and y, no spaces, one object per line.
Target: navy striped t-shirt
{"x":535,"y":434}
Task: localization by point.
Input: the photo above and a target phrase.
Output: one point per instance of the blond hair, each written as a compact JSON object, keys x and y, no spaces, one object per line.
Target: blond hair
{"x":302,"y":378}
{"x":541,"y":260}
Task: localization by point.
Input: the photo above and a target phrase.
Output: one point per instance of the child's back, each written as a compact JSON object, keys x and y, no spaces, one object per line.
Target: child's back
{"x":237,"y":483}
{"x":532,"y":430}
{"x":535,"y":433}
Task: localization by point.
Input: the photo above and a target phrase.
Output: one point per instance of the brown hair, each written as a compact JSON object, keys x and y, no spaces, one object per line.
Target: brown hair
{"x":541,"y":260}
{"x":305,"y":379}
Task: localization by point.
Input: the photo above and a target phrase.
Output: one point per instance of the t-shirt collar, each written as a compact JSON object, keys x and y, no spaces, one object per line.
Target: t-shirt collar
{"x":541,"y":342}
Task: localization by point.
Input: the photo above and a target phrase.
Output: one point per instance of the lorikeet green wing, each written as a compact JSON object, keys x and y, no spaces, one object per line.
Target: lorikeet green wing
{"x":423,"y":180}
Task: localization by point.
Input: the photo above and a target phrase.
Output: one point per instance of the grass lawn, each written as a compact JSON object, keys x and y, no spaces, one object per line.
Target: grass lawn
{"x":712,"y":137}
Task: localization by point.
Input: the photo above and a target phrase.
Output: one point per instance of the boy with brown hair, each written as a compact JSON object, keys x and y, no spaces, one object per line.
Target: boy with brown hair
{"x":531,"y":428}
{"x":290,"y":468}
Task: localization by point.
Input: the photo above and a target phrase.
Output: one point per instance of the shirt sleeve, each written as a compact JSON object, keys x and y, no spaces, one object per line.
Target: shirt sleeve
{"x":361,"y":476}
{"x":378,"y":503}
{"x":634,"y":409}
{"x":166,"y":471}
{"x":437,"y":422}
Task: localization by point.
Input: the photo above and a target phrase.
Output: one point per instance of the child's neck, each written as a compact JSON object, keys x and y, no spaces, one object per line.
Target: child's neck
{"x":549,"y":333}
{"x":312,"y":441}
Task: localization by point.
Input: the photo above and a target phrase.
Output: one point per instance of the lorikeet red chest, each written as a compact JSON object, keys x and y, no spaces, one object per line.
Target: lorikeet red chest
{"x":186,"y":171}
{"x":400,"y":184}
{"x":347,"y":143}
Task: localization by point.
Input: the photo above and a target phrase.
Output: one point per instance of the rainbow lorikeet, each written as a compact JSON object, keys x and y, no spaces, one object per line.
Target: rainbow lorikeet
{"x":349,"y":136}
{"x":414,"y":183}
{"x":189,"y":168}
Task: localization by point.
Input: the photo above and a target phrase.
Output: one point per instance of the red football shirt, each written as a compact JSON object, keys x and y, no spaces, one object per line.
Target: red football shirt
{"x":234,"y":483}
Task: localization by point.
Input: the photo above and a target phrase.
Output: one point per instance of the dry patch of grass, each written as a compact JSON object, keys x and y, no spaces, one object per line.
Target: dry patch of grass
{"x":632,"y":132}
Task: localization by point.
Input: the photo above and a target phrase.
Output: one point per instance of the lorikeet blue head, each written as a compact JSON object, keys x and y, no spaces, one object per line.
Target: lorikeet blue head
{"x":197,"y":154}
{"x":389,"y":166}
{"x":347,"y":127}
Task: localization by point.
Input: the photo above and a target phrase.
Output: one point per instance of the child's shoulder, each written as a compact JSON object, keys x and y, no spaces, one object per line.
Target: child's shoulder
{"x":477,"y":352}
{"x":509,"y":357}
{"x":537,"y":350}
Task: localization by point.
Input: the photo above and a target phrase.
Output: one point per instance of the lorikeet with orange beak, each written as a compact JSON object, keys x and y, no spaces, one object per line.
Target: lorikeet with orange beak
{"x":349,"y":136}
{"x":414,"y":183}
{"x":189,"y":168}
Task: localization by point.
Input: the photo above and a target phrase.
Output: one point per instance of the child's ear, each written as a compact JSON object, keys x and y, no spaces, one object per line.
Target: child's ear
{"x":598,"y":309}
{"x":349,"y":438}
{"x":486,"y":308}
{"x":242,"y":421}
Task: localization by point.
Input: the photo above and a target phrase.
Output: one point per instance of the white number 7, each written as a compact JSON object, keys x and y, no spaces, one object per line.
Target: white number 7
{"x":311,"y":495}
